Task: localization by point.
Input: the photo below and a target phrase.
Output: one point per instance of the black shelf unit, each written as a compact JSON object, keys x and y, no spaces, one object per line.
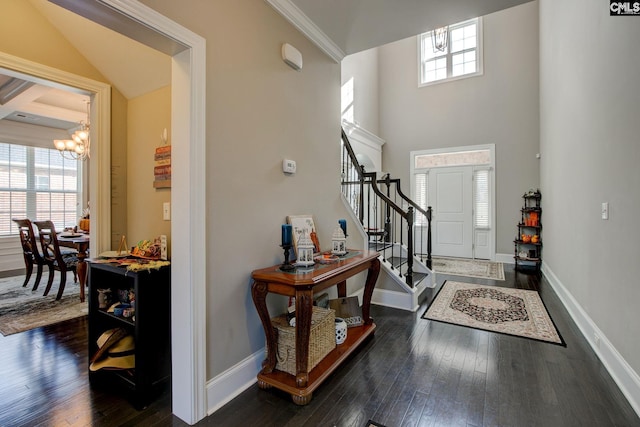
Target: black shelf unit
{"x":528,"y":242}
{"x":151,"y":329}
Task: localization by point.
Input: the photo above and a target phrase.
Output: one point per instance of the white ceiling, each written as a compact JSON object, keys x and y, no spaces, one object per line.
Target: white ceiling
{"x":357,"y":25}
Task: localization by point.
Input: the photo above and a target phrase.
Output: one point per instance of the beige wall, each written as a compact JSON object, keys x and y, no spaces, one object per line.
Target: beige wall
{"x":26,"y":34}
{"x":259,"y":111}
{"x":147,"y":116}
{"x":119,"y":134}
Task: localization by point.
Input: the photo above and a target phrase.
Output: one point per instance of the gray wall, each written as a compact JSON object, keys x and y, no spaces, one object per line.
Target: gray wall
{"x":499,"y":107}
{"x":589,"y":127}
{"x":259,"y":112}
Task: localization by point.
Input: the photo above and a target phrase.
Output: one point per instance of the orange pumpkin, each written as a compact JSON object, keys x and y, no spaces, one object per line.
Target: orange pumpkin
{"x":84,"y":224}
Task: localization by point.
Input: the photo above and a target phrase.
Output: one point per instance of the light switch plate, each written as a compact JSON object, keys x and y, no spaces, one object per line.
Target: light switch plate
{"x":166,"y":211}
{"x":163,"y":247}
{"x":605,"y":210}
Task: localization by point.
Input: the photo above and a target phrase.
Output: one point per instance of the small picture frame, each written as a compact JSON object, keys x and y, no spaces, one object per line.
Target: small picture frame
{"x":299,"y":223}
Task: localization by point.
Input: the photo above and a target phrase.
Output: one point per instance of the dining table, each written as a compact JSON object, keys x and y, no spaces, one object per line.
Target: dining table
{"x":80,"y":242}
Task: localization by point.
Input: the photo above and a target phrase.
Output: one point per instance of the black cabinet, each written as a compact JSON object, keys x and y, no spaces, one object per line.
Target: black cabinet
{"x":528,"y":242}
{"x":149,"y":324}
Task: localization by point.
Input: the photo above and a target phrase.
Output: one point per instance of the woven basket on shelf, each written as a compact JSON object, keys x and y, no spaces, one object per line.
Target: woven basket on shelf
{"x":322,"y":339}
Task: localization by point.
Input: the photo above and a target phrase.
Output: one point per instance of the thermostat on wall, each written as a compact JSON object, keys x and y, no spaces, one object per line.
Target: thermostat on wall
{"x":288,"y":166}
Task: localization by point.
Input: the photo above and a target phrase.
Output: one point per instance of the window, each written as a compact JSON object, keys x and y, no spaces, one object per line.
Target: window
{"x":481,"y":198}
{"x":461,"y":58}
{"x":39,"y":184}
{"x":421,"y":196}
{"x":346,"y":97}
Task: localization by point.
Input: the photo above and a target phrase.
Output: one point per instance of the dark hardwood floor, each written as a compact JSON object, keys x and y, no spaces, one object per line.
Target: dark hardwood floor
{"x":413,"y":372}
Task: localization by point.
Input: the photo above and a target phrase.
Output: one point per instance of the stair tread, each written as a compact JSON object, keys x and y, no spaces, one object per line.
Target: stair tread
{"x":378,"y":246}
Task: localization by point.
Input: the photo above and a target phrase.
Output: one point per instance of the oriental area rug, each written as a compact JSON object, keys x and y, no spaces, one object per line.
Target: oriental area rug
{"x":510,"y":311}
{"x":478,"y":268}
{"x":22,"y":309}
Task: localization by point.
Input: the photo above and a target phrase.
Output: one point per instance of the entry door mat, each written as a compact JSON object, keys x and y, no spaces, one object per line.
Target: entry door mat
{"x":510,"y":311}
{"x":477,"y":268}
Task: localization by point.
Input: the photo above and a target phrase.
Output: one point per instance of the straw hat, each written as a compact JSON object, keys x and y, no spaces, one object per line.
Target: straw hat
{"x":116,"y":350}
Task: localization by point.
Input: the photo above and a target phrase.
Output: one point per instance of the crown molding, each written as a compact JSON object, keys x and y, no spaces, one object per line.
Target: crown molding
{"x":306,"y":26}
{"x":363,"y":136}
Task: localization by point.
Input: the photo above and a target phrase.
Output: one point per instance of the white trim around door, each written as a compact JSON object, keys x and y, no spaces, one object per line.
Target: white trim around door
{"x":480,"y":160}
{"x":188,"y":117}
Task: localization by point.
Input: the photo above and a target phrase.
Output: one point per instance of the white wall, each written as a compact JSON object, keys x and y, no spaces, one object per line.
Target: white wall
{"x":363,"y":68}
{"x":589,"y":127}
{"x":499,"y":107}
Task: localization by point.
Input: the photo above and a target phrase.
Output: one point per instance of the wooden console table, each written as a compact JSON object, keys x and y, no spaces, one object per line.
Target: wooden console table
{"x":303,"y":284}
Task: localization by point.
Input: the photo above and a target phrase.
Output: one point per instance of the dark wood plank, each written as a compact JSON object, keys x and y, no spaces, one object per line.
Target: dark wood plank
{"x":412,"y":372}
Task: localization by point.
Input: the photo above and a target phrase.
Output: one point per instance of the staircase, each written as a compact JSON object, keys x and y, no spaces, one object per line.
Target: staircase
{"x":395,"y":226}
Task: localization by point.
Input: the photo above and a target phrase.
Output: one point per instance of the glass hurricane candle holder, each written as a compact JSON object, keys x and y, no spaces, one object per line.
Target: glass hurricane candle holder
{"x":305,"y":250}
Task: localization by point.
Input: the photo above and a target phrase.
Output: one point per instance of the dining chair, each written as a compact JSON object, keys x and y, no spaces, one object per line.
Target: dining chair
{"x":54,"y":257}
{"x":30,"y":251}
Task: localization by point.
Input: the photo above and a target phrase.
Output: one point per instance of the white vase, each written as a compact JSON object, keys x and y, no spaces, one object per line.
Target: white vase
{"x":341,"y":330}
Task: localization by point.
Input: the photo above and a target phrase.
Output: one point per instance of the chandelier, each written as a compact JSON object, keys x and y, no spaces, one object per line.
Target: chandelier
{"x":78,"y":147}
{"x":439,"y":38}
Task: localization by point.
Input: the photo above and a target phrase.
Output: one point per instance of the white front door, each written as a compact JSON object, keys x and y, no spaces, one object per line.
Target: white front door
{"x":451,"y":198}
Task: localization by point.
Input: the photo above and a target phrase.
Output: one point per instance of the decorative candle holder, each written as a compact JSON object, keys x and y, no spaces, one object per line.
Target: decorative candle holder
{"x":338,"y":242}
{"x":305,"y":250}
{"x":286,"y":266}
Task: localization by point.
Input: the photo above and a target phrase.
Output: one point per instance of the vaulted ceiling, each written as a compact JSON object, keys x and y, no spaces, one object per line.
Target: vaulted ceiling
{"x":350,"y":26}
{"x":133,"y":68}
{"x":338,"y":27}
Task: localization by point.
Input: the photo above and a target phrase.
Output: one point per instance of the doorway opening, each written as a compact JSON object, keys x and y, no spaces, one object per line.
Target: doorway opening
{"x":188,"y":259}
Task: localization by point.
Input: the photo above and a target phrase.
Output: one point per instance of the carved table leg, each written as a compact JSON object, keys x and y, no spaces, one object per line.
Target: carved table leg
{"x":259,"y":294}
{"x":263,"y":385}
{"x":304,"y":308}
{"x":342,"y":289}
{"x":301,"y":400}
{"x":372,"y":277}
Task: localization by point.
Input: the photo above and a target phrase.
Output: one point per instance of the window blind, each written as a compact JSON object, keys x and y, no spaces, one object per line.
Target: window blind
{"x":37,"y":183}
{"x":422,"y":191}
{"x":481,"y":198}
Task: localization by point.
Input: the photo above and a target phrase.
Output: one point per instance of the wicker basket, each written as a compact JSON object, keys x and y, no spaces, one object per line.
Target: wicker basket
{"x":322,"y":339}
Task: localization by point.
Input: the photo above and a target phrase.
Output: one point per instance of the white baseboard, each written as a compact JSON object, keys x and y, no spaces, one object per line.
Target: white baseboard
{"x":623,"y":374}
{"x":229,"y":384}
{"x":226,"y":386}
